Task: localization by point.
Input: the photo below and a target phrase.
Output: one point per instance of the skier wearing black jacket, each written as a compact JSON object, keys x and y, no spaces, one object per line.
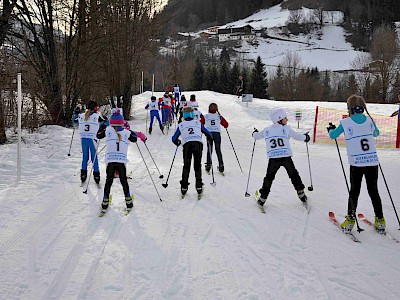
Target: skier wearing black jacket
{"x":191,"y":131}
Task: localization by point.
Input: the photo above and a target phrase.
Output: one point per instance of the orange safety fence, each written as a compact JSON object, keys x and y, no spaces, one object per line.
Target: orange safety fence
{"x":323,"y":115}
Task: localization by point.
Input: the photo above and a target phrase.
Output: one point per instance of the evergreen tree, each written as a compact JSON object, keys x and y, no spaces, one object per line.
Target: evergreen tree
{"x":352,"y":86}
{"x":224,"y":56}
{"x":258,"y":80}
{"x":223,"y":78}
{"x":326,"y":93}
{"x":234,"y":77}
{"x":197,"y":80}
{"x":211,"y":78}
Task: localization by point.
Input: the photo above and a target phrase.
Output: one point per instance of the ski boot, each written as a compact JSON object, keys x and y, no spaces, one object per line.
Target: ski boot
{"x":208,"y":169}
{"x":221,"y":169}
{"x":129,"y":202}
{"x":302,"y":196}
{"x":348,"y":224}
{"x":104,"y":206}
{"x":162,"y":128}
{"x":83,"y":175}
{"x":260,"y":201}
{"x":96,"y":176}
{"x":150,"y":130}
{"x":183,"y":191}
{"x":380,"y":224}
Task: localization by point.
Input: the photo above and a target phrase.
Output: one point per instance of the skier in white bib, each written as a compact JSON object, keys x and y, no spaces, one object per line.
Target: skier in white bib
{"x":117,"y":142}
{"x":359,"y":132}
{"x":279,"y":153}
{"x":191,"y":132}
{"x":89,"y":123}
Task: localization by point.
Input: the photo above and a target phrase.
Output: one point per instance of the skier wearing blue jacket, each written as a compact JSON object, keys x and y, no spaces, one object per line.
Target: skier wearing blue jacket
{"x":359,"y":132}
{"x":154,"y":107}
{"x":191,"y":130}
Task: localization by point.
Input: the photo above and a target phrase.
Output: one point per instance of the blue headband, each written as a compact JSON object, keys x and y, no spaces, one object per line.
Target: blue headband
{"x":187,"y":115}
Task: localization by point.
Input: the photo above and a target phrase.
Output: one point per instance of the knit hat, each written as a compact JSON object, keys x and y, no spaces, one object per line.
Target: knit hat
{"x":356,"y":105}
{"x":153,"y":98}
{"x":192,"y":97}
{"x":212,"y":108}
{"x":116,"y":119}
{"x":92,"y":105}
{"x":188,"y":112}
{"x":277,"y":115}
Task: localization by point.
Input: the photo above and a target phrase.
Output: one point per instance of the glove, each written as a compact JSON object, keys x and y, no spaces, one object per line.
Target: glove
{"x":255,"y":130}
{"x":141,"y":136}
{"x":307,"y":139}
{"x":177,"y":142}
{"x":330,"y":127}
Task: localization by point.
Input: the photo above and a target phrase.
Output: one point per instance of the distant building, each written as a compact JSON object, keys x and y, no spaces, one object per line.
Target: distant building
{"x":246,"y":32}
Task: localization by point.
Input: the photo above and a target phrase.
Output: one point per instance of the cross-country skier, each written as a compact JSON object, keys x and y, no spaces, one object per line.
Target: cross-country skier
{"x":154,"y":107}
{"x":279,"y":153}
{"x":213,"y":121}
{"x":191,"y":131}
{"x":89,"y":123}
{"x":182,"y":103}
{"x":165,"y":109}
{"x":117,"y":142}
{"x":193,"y":102}
{"x":177,"y":92}
{"x":359,"y":132}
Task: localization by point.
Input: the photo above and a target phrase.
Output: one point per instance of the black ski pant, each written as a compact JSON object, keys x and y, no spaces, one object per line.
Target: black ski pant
{"x":192,"y":149}
{"x":217,"y":141}
{"x":111,"y":168}
{"x":273,"y":166}
{"x":371,"y":178}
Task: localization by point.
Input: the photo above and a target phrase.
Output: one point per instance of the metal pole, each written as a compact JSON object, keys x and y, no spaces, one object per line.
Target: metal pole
{"x":19,"y":88}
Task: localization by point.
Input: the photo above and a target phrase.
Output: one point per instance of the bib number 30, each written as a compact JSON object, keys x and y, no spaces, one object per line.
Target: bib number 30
{"x":277,"y":142}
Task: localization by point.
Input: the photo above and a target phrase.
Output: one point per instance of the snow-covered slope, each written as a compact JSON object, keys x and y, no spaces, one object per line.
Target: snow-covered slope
{"x":326,"y":49}
{"x":53,"y":245}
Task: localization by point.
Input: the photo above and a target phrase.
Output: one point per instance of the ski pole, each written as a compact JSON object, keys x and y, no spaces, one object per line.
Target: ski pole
{"x":90,"y":174}
{"x":390,"y":196}
{"x":359,"y":229}
{"x":310,"y":188}
{"x":149,"y":171}
{"x":213,"y":183}
{"x":70,"y":145}
{"x":166,"y":183}
{"x":251,"y":162}
{"x":234,"y":150}
{"x":147,"y":116}
{"x":161,"y":176}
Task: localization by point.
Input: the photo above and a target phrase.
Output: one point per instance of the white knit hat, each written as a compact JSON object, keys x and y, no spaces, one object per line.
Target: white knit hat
{"x":277,"y":115}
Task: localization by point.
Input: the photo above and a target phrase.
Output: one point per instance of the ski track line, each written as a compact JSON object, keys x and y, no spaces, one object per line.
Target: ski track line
{"x":32,"y":227}
{"x":174,"y":227}
{"x":93,"y":270}
{"x":190,"y":238}
{"x":61,"y":279}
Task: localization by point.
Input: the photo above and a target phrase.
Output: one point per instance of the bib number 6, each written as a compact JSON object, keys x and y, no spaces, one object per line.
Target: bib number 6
{"x":364,"y":144}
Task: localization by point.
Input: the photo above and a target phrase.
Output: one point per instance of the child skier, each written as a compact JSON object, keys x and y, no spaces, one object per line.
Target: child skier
{"x":191,"y":130}
{"x":359,"y":132}
{"x":165,"y":110}
{"x":213,"y":121}
{"x":89,"y":123}
{"x":154,"y":108}
{"x":182,"y":103}
{"x":280,"y":154}
{"x":193,"y":102}
{"x":117,"y":142}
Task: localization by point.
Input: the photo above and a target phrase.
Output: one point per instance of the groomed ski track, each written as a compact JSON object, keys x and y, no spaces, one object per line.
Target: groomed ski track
{"x":54,"y":245}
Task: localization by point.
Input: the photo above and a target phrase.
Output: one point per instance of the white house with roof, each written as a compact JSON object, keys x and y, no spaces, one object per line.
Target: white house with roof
{"x":246,"y":33}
